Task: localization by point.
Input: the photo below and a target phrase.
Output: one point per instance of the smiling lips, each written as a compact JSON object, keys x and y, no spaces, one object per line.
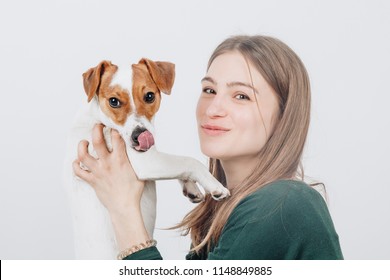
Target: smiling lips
{"x":214,"y":130}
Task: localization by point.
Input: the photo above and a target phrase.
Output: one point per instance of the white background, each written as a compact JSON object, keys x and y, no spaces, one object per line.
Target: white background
{"x":45,"y":46}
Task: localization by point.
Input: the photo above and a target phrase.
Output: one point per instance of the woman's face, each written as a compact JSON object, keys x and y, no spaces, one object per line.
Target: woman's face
{"x":231,"y":123}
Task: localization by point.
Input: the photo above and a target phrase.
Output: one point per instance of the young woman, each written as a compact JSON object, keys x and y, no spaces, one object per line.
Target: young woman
{"x":253,"y":118}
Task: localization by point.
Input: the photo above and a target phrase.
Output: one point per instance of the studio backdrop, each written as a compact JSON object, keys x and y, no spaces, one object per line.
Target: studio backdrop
{"x":45,"y":47}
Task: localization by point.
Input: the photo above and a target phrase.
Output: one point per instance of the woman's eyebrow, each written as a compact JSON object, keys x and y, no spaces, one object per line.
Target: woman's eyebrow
{"x":209,"y":79}
{"x":232,"y":84}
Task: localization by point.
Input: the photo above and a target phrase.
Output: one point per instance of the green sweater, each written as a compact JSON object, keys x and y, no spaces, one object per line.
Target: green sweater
{"x":283,"y":220}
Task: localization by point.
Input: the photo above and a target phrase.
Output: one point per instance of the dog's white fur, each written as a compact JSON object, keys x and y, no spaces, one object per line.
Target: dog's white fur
{"x":93,"y":231}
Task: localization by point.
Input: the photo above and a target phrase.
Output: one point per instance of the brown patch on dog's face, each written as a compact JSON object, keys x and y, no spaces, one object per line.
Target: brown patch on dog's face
{"x":144,"y":89}
{"x":114,"y":101}
{"x":95,"y":76}
{"x":150,"y":78}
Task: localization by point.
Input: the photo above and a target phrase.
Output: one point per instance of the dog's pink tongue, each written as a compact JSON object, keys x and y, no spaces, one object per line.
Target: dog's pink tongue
{"x":145,"y":140}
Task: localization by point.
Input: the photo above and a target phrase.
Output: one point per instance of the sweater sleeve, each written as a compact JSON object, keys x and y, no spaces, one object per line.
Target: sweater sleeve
{"x":150,"y":253}
{"x":287,"y":220}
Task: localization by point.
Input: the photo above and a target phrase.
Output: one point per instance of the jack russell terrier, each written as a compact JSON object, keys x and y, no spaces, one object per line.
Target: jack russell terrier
{"x":127,"y":99}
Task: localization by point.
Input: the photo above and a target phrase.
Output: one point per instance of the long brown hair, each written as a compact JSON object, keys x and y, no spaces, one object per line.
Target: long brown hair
{"x":281,"y":155}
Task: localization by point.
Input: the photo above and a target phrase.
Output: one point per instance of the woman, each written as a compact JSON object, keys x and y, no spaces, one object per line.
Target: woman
{"x":253,"y":118}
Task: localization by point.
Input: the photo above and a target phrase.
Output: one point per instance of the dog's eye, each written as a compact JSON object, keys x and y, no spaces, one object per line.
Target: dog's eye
{"x":149,"y":97}
{"x":114,"y":102}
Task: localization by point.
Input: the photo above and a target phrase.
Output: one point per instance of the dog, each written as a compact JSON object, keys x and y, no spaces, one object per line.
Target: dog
{"x":127,"y":99}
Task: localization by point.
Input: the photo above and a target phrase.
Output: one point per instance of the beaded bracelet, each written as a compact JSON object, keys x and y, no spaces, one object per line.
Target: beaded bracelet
{"x":129,"y":251}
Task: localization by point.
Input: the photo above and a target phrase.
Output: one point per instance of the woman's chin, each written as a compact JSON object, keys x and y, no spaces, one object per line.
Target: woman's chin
{"x":214,"y":152}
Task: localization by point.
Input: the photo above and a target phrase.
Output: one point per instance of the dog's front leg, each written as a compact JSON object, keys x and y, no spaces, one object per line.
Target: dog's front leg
{"x":154,"y":165}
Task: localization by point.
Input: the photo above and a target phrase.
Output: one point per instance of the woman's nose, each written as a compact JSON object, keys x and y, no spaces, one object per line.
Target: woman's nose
{"x":217,"y":107}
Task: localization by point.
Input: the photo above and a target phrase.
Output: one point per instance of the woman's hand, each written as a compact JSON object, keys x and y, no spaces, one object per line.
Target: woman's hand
{"x":111,"y":175}
{"x":116,"y":185}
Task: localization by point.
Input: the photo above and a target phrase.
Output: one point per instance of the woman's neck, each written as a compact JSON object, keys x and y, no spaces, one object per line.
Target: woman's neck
{"x":238,"y":169}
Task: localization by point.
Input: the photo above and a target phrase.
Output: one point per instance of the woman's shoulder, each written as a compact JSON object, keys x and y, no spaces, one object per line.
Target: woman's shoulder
{"x":287,"y":219}
{"x":285,"y":187}
{"x":282,"y":196}
{"x":283,"y":190}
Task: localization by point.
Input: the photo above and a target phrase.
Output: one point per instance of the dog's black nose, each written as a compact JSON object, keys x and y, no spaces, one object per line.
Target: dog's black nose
{"x":136,"y":132}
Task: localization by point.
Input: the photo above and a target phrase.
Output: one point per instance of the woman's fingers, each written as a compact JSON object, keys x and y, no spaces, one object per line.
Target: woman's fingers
{"x":83,"y":155}
{"x":118,"y":145}
{"x":83,"y":174}
{"x":119,"y":150}
{"x":98,"y":141}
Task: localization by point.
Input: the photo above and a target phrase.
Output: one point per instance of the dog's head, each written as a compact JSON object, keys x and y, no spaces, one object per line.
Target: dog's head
{"x":129,"y":97}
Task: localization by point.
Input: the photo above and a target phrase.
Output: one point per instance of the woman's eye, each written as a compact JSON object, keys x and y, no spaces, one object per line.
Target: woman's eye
{"x":209,"y":91}
{"x":242,"y":97}
{"x":149,"y":97}
{"x":114,"y":102}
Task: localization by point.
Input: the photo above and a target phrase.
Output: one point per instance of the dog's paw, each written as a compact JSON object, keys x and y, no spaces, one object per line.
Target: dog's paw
{"x":220,"y":193}
{"x":191,"y":190}
{"x":212,"y":186}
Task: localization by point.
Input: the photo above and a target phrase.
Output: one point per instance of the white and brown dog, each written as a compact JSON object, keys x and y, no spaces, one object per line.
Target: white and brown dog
{"x":127,"y":99}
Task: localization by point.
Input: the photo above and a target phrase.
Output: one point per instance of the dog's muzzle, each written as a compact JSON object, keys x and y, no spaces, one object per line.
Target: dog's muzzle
{"x":142,"y":139}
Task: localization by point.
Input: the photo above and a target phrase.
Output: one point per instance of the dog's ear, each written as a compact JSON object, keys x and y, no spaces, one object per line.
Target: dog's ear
{"x":93,"y":78}
{"x":163,"y":73}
